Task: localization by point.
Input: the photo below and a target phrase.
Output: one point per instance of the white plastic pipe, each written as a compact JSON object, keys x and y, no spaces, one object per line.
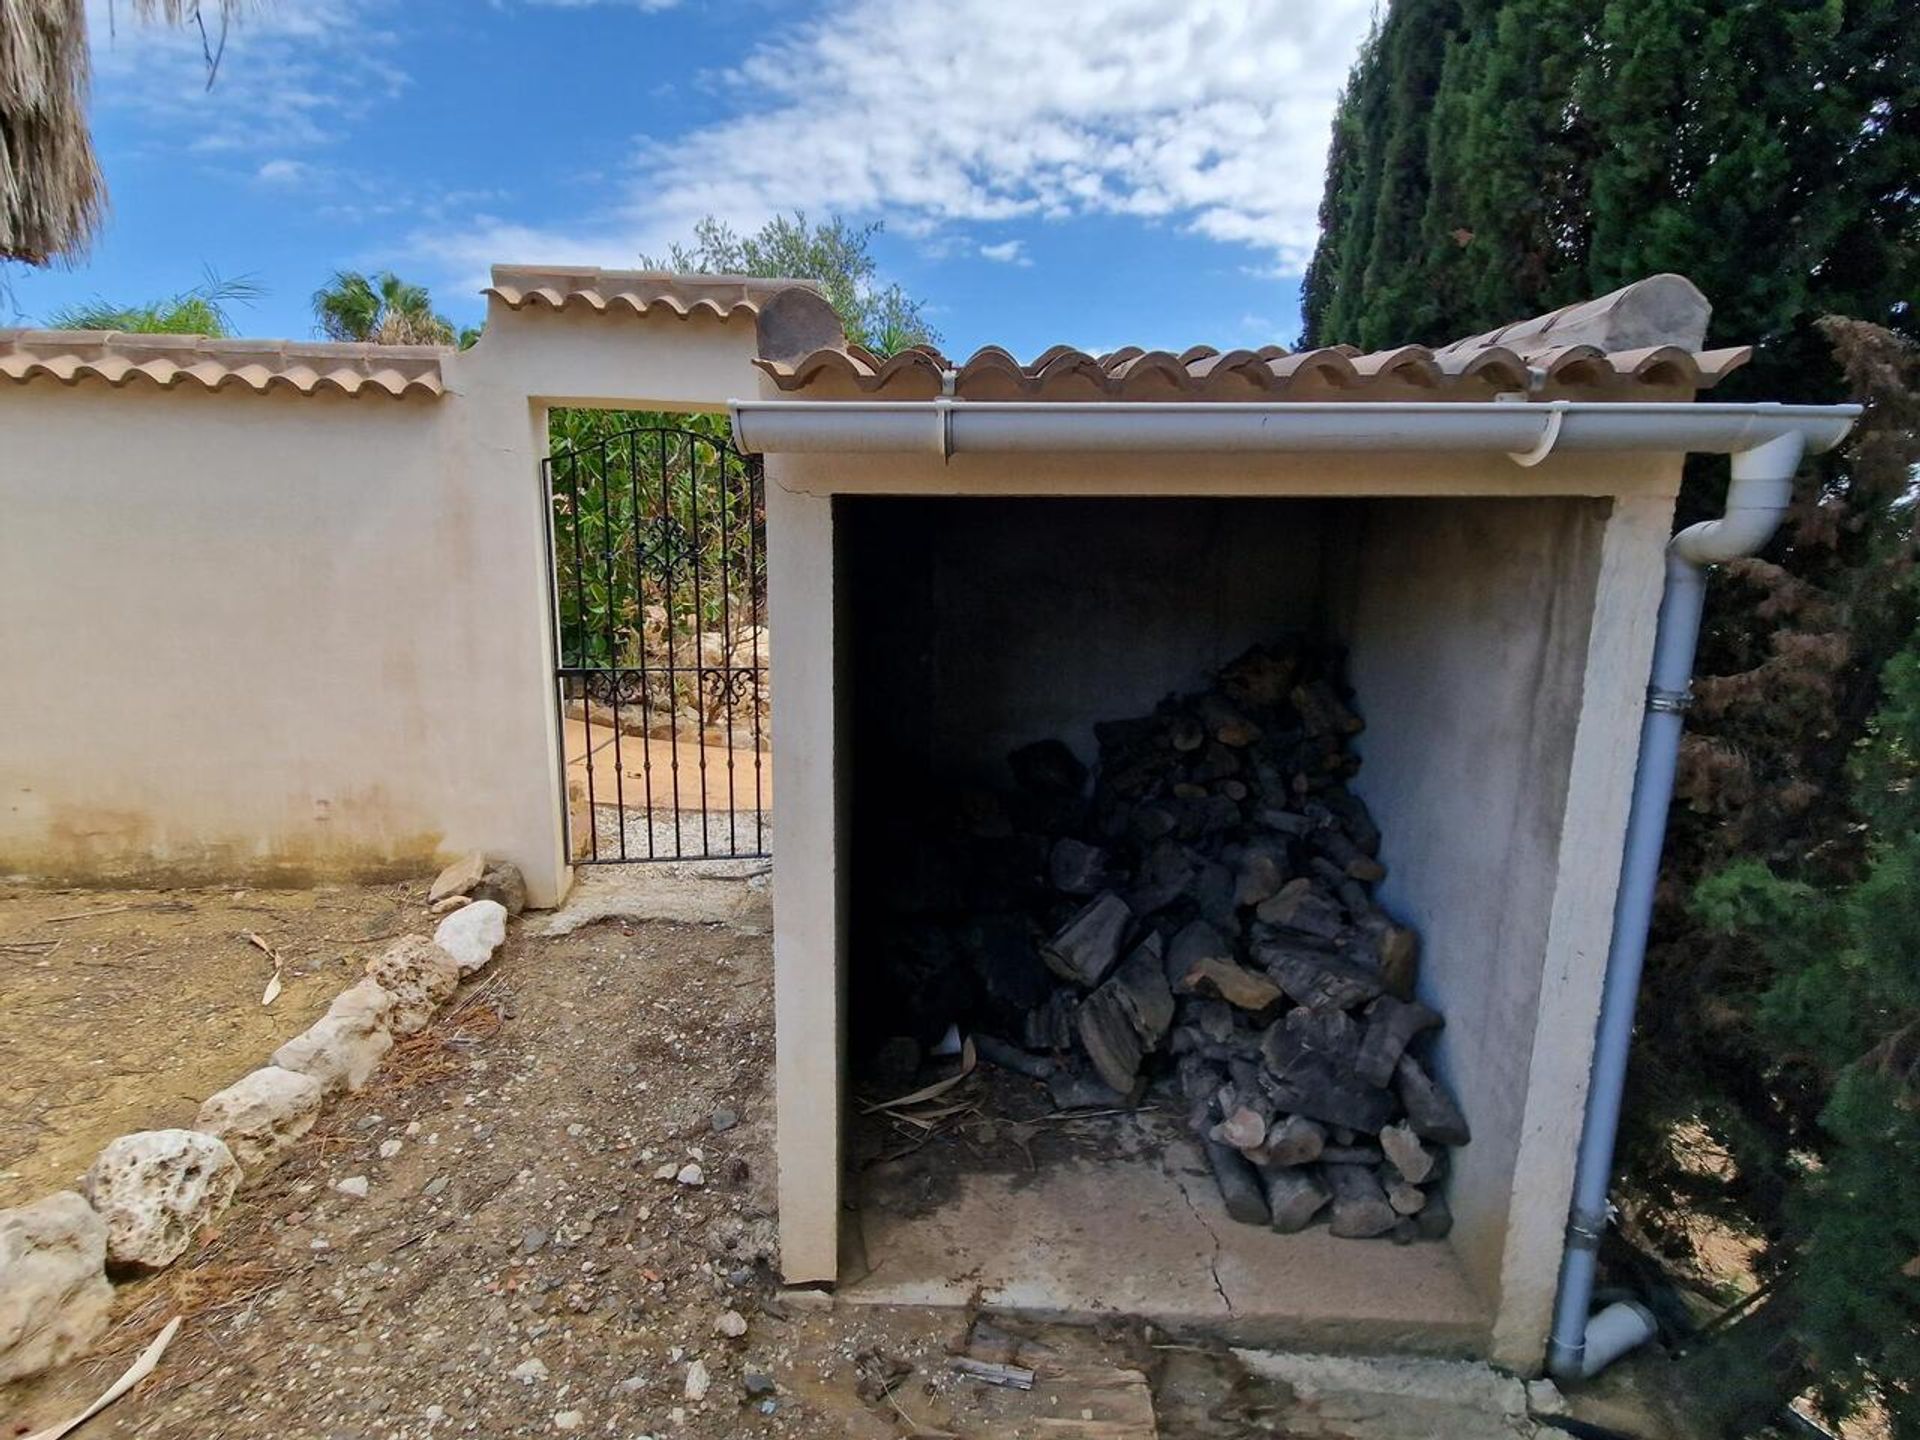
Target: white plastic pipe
{"x":1528,"y":431}
{"x":1757,"y":498}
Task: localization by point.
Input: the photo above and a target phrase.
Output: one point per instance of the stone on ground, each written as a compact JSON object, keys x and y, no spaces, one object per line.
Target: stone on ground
{"x":157,"y":1189}
{"x":458,"y":878}
{"x":341,"y":1051}
{"x":54,"y":1293}
{"x":505,"y":886}
{"x":261,"y":1116}
{"x":472,"y":933}
{"x":419,"y":975}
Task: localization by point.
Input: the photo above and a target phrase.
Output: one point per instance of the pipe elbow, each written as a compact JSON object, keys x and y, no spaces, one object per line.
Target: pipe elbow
{"x":1757,"y":500}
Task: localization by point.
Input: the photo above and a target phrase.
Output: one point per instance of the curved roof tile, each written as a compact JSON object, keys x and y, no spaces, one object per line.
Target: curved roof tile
{"x":637,"y":292}
{"x":169,"y":361}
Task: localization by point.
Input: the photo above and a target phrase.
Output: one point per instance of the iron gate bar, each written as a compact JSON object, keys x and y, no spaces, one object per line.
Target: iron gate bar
{"x":631,"y":552}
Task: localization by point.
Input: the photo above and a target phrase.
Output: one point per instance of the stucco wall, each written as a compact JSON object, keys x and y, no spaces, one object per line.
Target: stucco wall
{"x":1528,"y":594}
{"x":1468,"y":635}
{"x":289,"y":636}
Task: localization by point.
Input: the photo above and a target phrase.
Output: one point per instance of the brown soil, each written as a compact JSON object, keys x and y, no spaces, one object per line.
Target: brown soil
{"x":529,"y":1214}
{"x":123,"y":1010}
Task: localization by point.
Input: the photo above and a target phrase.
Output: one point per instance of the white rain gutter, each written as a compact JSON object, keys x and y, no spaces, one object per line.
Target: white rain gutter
{"x":1766,"y":442}
{"x":1528,"y":431}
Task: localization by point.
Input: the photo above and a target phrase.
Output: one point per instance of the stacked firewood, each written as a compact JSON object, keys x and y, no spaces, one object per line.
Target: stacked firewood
{"x":1222,"y":945}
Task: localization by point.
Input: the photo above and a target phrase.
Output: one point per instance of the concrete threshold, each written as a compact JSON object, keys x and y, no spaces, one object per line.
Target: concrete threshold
{"x":1145,"y":1235}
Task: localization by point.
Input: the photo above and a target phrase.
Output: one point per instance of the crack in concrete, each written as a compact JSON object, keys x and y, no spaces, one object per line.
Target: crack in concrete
{"x":1213,"y":1264}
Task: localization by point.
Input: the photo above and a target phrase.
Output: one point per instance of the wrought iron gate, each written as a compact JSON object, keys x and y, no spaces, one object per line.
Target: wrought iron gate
{"x":659,"y":579}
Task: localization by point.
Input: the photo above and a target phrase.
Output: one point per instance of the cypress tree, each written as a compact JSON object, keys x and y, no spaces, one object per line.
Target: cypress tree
{"x":1525,"y":154}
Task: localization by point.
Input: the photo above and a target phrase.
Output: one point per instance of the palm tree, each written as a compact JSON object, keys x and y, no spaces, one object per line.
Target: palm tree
{"x":384,"y":309}
{"x":199,"y":311}
{"x":52,"y":195}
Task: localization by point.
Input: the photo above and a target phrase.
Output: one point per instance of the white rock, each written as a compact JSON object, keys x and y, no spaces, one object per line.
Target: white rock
{"x":691,"y":1175}
{"x":54,"y":1294}
{"x":157,"y":1189}
{"x":261,"y":1116}
{"x":569,"y":1419}
{"x":528,"y":1371}
{"x":391,"y":1148}
{"x":459,"y":877}
{"x":345,"y":1046}
{"x":472,"y":933}
{"x":420,"y":977}
{"x":731,"y":1324}
{"x":697,"y":1380}
{"x":354,"y":1185}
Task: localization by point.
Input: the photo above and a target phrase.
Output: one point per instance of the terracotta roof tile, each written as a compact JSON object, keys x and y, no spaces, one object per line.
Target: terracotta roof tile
{"x":71,"y":356}
{"x":634,"y":292}
{"x":1619,"y":347}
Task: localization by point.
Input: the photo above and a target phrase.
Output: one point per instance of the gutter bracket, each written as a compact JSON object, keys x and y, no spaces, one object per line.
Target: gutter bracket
{"x":1549,"y":437}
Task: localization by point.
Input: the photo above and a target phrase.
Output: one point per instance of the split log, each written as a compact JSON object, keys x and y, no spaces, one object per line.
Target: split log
{"x":1312,"y":1088}
{"x":1406,"y":1199}
{"x":1239,"y":1183}
{"x":1412,"y":1159}
{"x":1352,"y":813}
{"x":1395,"y":951}
{"x":1164,"y":876}
{"x":1261,"y":870}
{"x":1077,"y":868}
{"x":1391,"y":1026}
{"x":1107,"y":1035}
{"x":1295,"y":1140}
{"x":1285,"y":822}
{"x":1315,"y":979}
{"x":1301,"y":907}
{"x":1086,"y":948}
{"x":996,"y":1051}
{"x":1332,"y":1033}
{"x":1332,"y":842}
{"x":1226,"y":723}
{"x":1360,"y":1209}
{"x":1186,"y":734}
{"x":1244,"y":1128}
{"x":1262,"y":678}
{"x":1368,"y":1155}
{"x":1076,"y":1090}
{"x":1247,"y":989}
{"x":1294,"y":1197}
{"x":1430,"y":1110}
{"x":1435,"y":1220}
{"x":1050,"y":1026}
{"x":1322,"y":711}
{"x":1139,"y":984}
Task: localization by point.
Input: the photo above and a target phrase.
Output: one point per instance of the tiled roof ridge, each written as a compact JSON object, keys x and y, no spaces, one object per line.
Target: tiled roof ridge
{"x":217,"y":363}
{"x":1270,"y":372}
{"x":1643,"y":337}
{"x":725,"y":297}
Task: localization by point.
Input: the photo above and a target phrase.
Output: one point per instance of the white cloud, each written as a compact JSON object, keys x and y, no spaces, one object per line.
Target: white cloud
{"x":283,"y":171}
{"x":292,"y":76}
{"x":1007,"y":252}
{"x":1211,"y":115}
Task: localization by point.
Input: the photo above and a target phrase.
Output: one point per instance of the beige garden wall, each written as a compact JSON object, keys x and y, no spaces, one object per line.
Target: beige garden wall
{"x":285,"y":635}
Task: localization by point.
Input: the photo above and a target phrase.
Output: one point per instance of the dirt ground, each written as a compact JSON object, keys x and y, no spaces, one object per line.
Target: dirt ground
{"x":124,"y":1009}
{"x":529,"y":1258}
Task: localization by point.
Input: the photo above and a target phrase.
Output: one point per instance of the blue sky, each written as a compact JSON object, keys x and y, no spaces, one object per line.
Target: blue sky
{"x":1094,"y":172}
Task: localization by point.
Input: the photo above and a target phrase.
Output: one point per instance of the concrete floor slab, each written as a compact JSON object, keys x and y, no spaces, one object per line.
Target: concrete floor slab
{"x":1145,"y":1234}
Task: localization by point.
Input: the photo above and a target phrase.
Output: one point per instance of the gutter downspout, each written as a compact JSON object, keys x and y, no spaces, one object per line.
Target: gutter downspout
{"x":1757,"y":498}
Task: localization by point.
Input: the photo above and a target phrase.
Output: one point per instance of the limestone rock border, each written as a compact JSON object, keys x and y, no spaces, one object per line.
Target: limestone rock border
{"x":150,"y":1192}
